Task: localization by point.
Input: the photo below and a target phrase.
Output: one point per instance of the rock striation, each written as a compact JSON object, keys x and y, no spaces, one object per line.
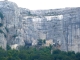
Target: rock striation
{"x":20,"y":26}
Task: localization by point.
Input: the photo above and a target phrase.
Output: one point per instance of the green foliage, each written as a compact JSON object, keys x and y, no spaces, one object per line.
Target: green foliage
{"x":44,"y":41}
{"x":56,"y":52}
{"x":29,"y":13}
{"x":1,"y":31}
{"x":37,"y":54}
{"x":7,"y":29}
{"x":41,"y":42}
{"x":15,"y":36}
{"x":1,"y":15}
{"x":8,"y":47}
{"x":1,"y":24}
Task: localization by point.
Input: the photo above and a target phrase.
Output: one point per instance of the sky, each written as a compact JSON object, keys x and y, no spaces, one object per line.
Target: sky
{"x":46,"y":4}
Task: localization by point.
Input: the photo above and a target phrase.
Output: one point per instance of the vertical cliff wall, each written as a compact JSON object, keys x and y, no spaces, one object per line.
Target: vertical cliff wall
{"x":10,"y":21}
{"x":59,"y":27}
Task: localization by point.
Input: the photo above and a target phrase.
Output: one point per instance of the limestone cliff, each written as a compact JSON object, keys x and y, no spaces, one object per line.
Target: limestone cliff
{"x":10,"y":22}
{"x":21,"y":26}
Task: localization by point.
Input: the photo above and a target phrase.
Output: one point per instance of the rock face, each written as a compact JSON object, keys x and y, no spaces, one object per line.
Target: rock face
{"x":10,"y":22}
{"x":20,"y":26}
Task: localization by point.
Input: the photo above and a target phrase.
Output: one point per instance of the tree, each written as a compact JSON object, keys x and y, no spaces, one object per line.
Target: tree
{"x":8,"y":47}
{"x":1,"y":24}
{"x":40,"y":41}
{"x":1,"y":15}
